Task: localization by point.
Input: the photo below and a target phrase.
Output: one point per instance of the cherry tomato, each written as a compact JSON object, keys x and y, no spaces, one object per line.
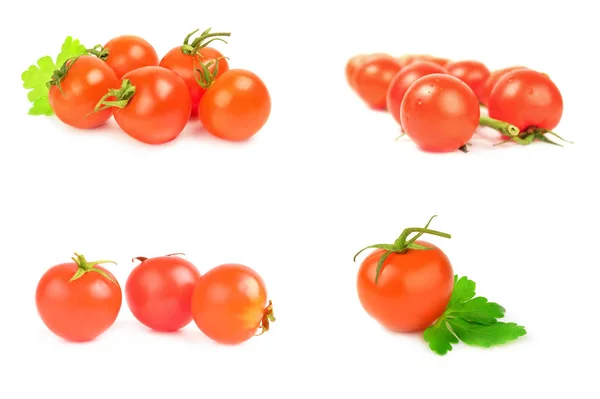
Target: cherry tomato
{"x":159,"y":292}
{"x":78,"y":300}
{"x":402,"y":81}
{"x":355,"y":62}
{"x":473,"y":73}
{"x":159,"y":108}
{"x":85,"y":81}
{"x":439,"y":113}
{"x":373,"y":78}
{"x":185,"y":65}
{"x":127,"y":52}
{"x":491,"y":82}
{"x":413,"y":289}
{"x":229,"y":304}
{"x":236,"y":106}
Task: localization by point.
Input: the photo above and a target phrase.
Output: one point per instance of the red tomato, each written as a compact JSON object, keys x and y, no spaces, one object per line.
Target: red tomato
{"x":473,"y":73}
{"x":159,"y":108}
{"x":79,"y":300}
{"x":491,"y":82}
{"x":159,"y":292}
{"x":229,"y":304}
{"x":355,"y":62}
{"x":83,"y":85}
{"x":402,"y":81}
{"x":185,"y":65}
{"x":440,"y":113}
{"x":127,"y":52}
{"x":373,"y":78}
{"x":236,"y":106}
{"x":526,"y":98}
{"x":413,"y":289}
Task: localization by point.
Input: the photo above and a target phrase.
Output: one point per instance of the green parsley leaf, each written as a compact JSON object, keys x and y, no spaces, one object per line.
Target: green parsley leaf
{"x":36,"y":76}
{"x":472,"y":320}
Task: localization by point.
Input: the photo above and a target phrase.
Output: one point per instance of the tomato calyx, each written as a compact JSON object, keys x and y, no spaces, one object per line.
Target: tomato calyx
{"x":60,"y":73}
{"x":505,"y":128}
{"x":121,"y":97}
{"x":99,"y":51}
{"x":200,"y":41}
{"x":535,"y":133}
{"x":267,"y":318}
{"x":142,"y":259}
{"x":204,"y":77}
{"x":403,"y":244}
{"x":84,"y":266}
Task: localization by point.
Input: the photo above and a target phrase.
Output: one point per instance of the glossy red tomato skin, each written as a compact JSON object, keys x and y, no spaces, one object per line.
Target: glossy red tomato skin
{"x":160,"y":107}
{"x":526,"y":98}
{"x":228,"y":303}
{"x":440,"y":113}
{"x":490,"y":83}
{"x":86,"y":82}
{"x":404,"y":79}
{"x":159,"y":292}
{"x":80,"y":310}
{"x":372,"y":80}
{"x":473,"y":73}
{"x":413,"y":289}
{"x":129,"y":52}
{"x":236,"y":106}
{"x":184,"y":65}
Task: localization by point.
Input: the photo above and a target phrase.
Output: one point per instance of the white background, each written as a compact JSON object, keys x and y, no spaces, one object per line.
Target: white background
{"x":322,"y":179}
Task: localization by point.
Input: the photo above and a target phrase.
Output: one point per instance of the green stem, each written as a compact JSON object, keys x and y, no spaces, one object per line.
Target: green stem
{"x":99,"y":51}
{"x":201,"y":41}
{"x":122,"y":96}
{"x":84,"y":266}
{"x":503,"y":127}
{"x":403,"y":244}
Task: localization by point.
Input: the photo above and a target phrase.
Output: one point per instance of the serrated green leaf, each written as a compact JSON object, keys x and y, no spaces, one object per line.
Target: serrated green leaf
{"x":36,"y":76}
{"x":464,"y":289}
{"x":440,"y":338}
{"x":477,"y":310}
{"x":486,"y":335}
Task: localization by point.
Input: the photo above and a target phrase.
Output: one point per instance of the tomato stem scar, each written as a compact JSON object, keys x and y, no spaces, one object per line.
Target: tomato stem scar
{"x":84,"y":266}
{"x":403,"y":244}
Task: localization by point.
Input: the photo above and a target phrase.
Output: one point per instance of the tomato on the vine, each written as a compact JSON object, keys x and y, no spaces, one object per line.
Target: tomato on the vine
{"x":78,"y":300}
{"x":159,"y":292}
{"x":473,"y":73}
{"x":153,"y":104}
{"x":373,"y":78}
{"x":407,"y":285}
{"x":404,"y":79}
{"x":77,"y":87}
{"x":235,"y":106}
{"x":126,"y":53}
{"x":491,"y":81}
{"x":229,"y":304}
{"x":440,"y":113}
{"x":526,"y":99}
{"x":187,"y":61}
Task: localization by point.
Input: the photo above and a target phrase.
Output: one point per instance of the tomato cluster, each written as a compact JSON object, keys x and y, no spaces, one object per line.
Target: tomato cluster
{"x":152,"y":99}
{"x":80,"y":300}
{"x":440,"y":103}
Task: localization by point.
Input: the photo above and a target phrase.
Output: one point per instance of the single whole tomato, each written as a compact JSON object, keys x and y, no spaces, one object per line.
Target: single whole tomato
{"x":78,"y":300}
{"x":159,"y":292}
{"x":153,"y":104}
{"x":187,"y":65}
{"x":490,"y":83}
{"x":128,"y":52}
{"x":229,"y":304}
{"x":526,"y":98}
{"x":74,"y":95}
{"x":473,"y":73}
{"x":407,"y":286}
{"x":439,"y":113}
{"x":402,"y":81}
{"x":355,"y":62}
{"x":236,"y":106}
{"x":373,"y":78}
